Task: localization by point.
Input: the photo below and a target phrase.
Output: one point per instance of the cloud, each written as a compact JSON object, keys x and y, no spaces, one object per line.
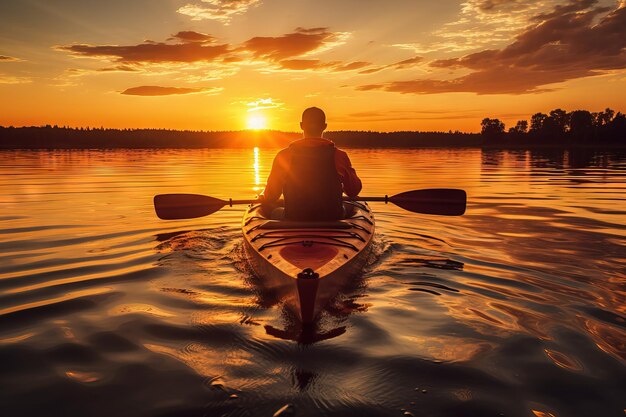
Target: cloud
{"x":198,"y":57}
{"x":302,"y":64}
{"x":220,"y":10}
{"x":4,"y":58}
{"x":482,"y":24}
{"x":70,"y":76}
{"x":407,"y":63}
{"x":10,"y":79}
{"x":192,"y":47}
{"x":191,"y":36}
{"x":402,"y":115}
{"x":263,"y":104}
{"x":288,"y":51}
{"x":153,"y":90}
{"x":118,"y":68}
{"x":351,"y":66}
{"x":487,"y":5}
{"x":296,"y":44}
{"x":571,"y":42}
{"x":571,"y":7}
{"x":316,"y":64}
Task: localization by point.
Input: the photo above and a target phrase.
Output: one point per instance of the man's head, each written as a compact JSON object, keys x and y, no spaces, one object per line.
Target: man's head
{"x":313,"y":122}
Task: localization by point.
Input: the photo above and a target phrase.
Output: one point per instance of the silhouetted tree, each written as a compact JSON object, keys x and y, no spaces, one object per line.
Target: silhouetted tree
{"x":581,"y":125}
{"x":522,"y":126}
{"x":48,"y":137}
{"x":536,"y":122}
{"x":519,"y":131}
{"x":559,"y":120}
{"x":558,"y":128}
{"x":603,"y":118}
{"x":491,"y":129}
{"x":549,"y":128}
{"x":616,"y":130}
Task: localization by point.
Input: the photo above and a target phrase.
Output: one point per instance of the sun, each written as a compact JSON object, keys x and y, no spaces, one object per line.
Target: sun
{"x":256,"y":122}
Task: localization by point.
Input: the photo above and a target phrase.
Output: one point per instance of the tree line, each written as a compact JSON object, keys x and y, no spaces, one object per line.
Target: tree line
{"x":556,"y":129}
{"x":56,"y":137}
{"x":579,"y":127}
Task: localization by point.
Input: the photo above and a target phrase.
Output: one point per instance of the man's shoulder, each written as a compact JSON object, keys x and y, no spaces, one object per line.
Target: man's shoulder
{"x":311,"y":143}
{"x":282,"y":156}
{"x":341,"y":154}
{"x":283,"y":152}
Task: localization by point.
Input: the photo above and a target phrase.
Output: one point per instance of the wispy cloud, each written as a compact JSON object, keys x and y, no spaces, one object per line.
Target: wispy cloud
{"x":153,"y":90}
{"x":118,"y":68}
{"x":191,"y":36}
{"x":300,"y":43}
{"x":11,"y":79}
{"x":4,"y":58}
{"x":404,"y":64}
{"x":316,"y":65}
{"x":263,"y":104}
{"x":483,"y":24}
{"x":293,"y":51}
{"x":287,"y":51}
{"x":402,"y":115}
{"x":220,"y":10}
{"x":200,"y":48}
{"x":572,"y":41}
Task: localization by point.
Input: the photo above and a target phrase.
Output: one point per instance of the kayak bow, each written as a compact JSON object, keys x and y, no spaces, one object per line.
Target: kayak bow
{"x":307,"y":263}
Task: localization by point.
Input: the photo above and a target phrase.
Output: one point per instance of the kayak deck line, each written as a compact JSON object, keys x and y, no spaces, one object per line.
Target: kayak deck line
{"x":275,"y":235}
{"x":307,"y":263}
{"x":306,"y":243}
{"x":284,"y":238}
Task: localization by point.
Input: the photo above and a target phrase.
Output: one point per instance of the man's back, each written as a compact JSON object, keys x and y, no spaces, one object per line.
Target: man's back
{"x":312,"y":186}
{"x":312,"y":174}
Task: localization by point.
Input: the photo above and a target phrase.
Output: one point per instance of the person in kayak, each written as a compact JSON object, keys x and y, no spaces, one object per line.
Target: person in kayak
{"x":312,"y":174}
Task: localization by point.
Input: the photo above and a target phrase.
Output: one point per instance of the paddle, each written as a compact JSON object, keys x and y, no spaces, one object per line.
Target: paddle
{"x":189,"y":206}
{"x":442,"y":201}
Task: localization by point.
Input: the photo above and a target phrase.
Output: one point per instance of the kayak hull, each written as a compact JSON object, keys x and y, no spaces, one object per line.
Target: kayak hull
{"x":307,"y":264}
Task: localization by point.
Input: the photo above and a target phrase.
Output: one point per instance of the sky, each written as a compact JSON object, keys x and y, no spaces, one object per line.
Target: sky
{"x":383,"y":65}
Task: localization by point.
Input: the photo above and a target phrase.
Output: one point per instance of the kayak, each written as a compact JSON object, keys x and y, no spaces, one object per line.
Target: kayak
{"x":307,"y":264}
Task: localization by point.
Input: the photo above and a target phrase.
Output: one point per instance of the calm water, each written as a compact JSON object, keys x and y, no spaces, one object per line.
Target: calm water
{"x":515,"y":309}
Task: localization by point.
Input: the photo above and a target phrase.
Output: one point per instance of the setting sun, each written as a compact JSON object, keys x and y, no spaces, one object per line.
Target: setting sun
{"x":256,"y":122}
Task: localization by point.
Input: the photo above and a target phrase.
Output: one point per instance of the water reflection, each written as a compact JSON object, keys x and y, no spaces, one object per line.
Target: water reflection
{"x":257,"y":177}
{"x":515,"y":308}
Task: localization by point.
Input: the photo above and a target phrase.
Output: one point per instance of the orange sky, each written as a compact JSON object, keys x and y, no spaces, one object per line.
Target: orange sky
{"x":371,"y":65}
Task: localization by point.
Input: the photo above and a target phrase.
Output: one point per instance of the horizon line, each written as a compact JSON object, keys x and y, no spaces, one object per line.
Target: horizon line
{"x":50,"y":126}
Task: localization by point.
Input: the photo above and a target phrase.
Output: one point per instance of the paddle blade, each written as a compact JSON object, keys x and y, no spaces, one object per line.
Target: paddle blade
{"x":185,"y":206}
{"x":442,"y":201}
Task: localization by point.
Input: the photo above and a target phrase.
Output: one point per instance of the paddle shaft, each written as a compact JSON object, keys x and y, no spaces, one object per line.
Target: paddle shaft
{"x":442,"y":201}
{"x":232,"y":202}
{"x":385,"y":199}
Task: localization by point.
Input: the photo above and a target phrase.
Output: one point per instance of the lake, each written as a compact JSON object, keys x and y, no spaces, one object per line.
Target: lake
{"x":516,"y":308}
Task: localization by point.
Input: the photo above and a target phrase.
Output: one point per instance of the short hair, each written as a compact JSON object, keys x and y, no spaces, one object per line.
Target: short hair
{"x":313,"y":116}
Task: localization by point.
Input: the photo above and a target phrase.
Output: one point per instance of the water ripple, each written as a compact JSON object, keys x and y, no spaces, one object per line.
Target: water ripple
{"x":516,"y":308}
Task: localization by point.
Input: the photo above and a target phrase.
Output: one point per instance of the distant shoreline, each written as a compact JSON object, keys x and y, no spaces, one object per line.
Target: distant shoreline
{"x":54,"y":137}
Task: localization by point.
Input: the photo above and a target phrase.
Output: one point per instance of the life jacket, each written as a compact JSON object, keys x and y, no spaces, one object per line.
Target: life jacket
{"x":312,"y":189}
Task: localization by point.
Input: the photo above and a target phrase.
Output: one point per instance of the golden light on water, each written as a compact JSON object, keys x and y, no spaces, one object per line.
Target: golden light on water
{"x":256,"y":166}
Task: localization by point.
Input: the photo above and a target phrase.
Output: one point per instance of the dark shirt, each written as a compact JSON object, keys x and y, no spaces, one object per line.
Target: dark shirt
{"x":276,"y":180}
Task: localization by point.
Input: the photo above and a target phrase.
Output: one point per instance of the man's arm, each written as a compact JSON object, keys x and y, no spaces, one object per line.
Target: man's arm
{"x":276,"y":179}
{"x":351,"y":182}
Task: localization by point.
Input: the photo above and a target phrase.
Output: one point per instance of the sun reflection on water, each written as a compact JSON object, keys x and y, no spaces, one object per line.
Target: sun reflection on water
{"x":256,"y":166}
